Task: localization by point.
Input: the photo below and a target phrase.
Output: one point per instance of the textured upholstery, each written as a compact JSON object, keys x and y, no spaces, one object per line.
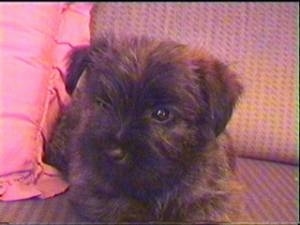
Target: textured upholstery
{"x":271,"y":191}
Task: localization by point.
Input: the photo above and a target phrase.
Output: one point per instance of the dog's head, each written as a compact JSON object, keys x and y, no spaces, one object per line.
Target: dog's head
{"x":148,"y":108}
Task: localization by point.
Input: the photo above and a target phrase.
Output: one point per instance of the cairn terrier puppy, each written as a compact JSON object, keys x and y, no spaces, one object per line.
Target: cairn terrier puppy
{"x":138,"y":143}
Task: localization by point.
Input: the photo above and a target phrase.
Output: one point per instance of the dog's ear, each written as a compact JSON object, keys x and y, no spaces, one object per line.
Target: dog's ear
{"x":78,"y":61}
{"x":220,"y":88}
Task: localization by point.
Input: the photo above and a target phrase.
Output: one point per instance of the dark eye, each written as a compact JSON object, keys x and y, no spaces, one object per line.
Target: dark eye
{"x":161,"y":114}
{"x":102,"y":103}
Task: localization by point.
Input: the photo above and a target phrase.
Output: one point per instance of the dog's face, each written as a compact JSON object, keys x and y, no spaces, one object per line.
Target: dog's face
{"x":149,"y":109}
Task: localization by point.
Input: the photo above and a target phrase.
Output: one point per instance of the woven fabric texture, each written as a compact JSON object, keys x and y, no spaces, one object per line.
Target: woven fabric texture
{"x":257,"y":40}
{"x":269,"y":193}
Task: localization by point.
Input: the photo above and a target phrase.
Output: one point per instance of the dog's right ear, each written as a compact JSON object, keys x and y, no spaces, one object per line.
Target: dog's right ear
{"x":220,"y":88}
{"x":78,"y":61}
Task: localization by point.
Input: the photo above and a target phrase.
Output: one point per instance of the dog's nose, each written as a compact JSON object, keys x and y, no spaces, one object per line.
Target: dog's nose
{"x":116,"y":154}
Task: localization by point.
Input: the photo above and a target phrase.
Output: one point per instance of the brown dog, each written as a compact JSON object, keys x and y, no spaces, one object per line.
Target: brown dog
{"x":139,"y":141}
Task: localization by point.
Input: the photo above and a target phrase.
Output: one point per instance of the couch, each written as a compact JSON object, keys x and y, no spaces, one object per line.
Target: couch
{"x":258,"y":40}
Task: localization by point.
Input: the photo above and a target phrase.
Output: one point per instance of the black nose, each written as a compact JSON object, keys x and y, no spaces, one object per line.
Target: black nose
{"x":116,"y":154}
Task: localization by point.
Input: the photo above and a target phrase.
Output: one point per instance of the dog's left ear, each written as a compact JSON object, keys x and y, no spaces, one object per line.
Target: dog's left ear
{"x":220,"y":88}
{"x":78,"y":61}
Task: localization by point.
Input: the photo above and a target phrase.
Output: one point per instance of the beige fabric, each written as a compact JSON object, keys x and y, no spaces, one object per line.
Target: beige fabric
{"x":258,"y":40}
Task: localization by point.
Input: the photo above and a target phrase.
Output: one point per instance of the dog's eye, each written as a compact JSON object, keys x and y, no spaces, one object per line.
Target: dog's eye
{"x":102,"y":103}
{"x":161,"y":114}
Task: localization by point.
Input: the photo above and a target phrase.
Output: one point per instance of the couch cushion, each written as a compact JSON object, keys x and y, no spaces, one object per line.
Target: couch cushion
{"x":270,"y":191}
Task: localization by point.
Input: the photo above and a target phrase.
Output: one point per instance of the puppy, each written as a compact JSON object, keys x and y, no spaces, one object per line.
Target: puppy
{"x":139,"y":141}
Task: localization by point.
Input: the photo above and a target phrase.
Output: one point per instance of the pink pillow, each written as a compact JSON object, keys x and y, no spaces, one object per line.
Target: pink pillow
{"x":33,"y":46}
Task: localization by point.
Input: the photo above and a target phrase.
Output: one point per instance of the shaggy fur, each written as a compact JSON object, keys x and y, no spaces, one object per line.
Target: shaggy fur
{"x":138,"y":143}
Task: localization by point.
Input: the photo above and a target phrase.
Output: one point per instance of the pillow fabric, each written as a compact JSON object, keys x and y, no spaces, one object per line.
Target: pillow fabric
{"x":34,"y":40}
